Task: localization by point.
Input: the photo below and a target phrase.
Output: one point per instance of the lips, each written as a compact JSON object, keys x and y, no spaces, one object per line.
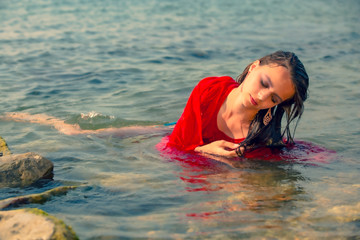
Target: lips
{"x":253,"y":102}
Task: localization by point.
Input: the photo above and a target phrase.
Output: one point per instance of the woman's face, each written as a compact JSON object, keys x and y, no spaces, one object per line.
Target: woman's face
{"x":266,"y":86}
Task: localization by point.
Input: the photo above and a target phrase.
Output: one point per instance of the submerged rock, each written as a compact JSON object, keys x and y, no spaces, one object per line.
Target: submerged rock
{"x":32,"y":223}
{"x":35,"y":198}
{"x":24,"y":169}
{"x":4,"y":149}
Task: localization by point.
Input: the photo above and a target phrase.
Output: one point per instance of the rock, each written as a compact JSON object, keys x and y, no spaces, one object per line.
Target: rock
{"x":18,"y":170}
{"x":4,"y":149}
{"x":35,"y":198}
{"x":32,"y":223}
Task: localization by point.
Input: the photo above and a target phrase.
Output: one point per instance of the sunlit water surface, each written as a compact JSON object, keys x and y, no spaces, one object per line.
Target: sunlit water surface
{"x":118,"y":63}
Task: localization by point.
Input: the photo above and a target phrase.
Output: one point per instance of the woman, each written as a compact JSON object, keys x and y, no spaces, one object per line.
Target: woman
{"x":226,"y":117}
{"x":223,"y":116}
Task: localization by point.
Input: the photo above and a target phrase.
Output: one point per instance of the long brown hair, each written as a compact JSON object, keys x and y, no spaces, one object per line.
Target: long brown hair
{"x":271,"y":134}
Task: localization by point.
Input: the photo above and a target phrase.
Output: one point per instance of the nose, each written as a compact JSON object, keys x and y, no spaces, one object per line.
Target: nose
{"x":263,"y":94}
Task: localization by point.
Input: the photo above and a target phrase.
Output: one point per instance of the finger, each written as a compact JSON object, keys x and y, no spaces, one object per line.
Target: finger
{"x":230,"y":145}
{"x":231,"y":153}
{"x":226,"y":152}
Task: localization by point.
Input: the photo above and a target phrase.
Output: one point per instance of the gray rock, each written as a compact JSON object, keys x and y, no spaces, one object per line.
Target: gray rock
{"x":32,"y":223}
{"x":18,"y":170}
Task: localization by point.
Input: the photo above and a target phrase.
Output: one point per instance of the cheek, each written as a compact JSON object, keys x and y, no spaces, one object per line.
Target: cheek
{"x":250,"y":85}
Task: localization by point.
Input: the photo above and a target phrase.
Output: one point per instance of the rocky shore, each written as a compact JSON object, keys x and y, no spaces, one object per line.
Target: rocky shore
{"x":21,"y":170}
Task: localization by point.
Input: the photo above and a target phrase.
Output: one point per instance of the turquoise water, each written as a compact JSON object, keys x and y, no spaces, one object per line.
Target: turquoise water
{"x":118,"y":63}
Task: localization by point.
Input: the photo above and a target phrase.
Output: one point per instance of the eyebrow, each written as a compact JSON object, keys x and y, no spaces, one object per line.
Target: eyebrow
{"x":270,"y":83}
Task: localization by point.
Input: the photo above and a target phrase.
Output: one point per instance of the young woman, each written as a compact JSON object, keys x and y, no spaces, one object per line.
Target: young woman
{"x":226,"y":117}
{"x":223,"y":116}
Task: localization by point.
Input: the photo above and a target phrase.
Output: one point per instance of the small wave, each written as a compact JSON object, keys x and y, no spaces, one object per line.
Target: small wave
{"x":94,"y":120}
{"x":94,"y":114}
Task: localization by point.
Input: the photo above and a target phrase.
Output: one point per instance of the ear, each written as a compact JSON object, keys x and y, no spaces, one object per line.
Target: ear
{"x":254,"y":65}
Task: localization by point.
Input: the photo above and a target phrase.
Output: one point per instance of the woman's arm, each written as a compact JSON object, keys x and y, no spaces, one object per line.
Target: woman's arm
{"x":60,"y":125}
{"x":74,"y":129}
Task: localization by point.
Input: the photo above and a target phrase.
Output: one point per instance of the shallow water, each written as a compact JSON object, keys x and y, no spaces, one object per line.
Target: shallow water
{"x":122,"y":63}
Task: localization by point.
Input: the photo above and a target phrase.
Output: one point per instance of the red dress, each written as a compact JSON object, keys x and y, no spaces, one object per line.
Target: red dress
{"x":198,"y":123}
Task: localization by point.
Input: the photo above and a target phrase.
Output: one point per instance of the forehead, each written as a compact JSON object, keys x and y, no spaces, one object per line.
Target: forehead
{"x":280,"y":79}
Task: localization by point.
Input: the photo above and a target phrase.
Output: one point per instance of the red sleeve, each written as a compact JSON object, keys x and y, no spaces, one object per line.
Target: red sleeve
{"x":187,"y":134}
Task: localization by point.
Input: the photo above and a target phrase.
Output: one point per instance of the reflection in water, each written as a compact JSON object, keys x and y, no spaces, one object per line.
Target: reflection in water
{"x":233,"y":185}
{"x":255,"y":186}
{"x":242,"y":197}
{"x":264,"y":188}
{"x":252,"y":183}
{"x":264,"y":196}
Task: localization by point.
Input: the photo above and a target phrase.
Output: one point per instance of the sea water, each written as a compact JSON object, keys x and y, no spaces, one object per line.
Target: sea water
{"x":117,"y":63}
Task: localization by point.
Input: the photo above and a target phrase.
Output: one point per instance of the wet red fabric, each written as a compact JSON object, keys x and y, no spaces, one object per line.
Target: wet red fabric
{"x":198,"y":123}
{"x":300,"y":151}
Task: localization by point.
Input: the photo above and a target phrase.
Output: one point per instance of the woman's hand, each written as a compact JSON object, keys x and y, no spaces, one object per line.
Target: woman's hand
{"x":219,"y":148}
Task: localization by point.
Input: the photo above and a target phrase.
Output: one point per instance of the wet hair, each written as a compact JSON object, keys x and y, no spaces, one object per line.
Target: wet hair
{"x":272,"y":134}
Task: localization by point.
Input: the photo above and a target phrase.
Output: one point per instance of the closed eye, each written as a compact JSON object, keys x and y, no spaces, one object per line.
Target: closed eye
{"x":265,"y":85}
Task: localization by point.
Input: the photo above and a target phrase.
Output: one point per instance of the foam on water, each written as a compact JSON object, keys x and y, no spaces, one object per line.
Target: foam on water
{"x":94,"y":114}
